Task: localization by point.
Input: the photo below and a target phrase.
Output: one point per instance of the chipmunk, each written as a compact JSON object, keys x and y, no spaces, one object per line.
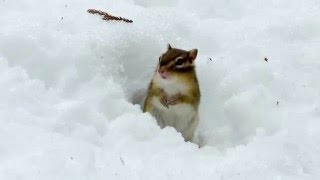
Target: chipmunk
{"x":173,"y":96}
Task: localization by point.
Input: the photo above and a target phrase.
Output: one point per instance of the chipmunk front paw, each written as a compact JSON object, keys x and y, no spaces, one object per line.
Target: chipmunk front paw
{"x":174,"y":99}
{"x":164,"y":99}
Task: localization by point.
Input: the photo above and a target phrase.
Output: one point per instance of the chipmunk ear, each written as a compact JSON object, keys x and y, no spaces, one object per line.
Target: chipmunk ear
{"x":169,"y":47}
{"x":193,"y":54}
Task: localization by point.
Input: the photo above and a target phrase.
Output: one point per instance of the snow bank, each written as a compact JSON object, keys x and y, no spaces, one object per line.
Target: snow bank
{"x":66,"y":78}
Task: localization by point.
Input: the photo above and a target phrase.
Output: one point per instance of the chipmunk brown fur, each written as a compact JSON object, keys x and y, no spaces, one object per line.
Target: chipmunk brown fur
{"x":173,"y":96}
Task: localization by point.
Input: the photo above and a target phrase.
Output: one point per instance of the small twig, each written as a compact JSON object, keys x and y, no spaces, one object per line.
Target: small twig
{"x":122,"y":161}
{"x":108,"y":17}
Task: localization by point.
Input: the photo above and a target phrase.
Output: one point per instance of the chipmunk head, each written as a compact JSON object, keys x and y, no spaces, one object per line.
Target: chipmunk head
{"x":176,"y":61}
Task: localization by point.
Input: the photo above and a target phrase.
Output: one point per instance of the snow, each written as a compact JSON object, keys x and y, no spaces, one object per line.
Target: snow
{"x":67,"y":77}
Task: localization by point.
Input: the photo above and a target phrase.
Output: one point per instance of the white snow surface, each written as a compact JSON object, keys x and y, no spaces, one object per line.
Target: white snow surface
{"x":66,"y":78}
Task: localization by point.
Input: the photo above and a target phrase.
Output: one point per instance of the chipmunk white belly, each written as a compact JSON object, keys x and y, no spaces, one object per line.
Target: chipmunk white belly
{"x":179,"y":116}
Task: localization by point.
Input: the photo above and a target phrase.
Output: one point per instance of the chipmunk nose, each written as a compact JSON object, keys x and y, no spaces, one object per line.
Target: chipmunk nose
{"x":163,"y":73}
{"x":162,"y":70}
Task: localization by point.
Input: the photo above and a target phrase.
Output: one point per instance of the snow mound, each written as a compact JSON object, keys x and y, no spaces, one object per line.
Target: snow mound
{"x":66,"y":79}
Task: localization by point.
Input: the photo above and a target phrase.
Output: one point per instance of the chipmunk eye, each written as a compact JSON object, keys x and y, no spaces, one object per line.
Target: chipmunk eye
{"x":179,"y":61}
